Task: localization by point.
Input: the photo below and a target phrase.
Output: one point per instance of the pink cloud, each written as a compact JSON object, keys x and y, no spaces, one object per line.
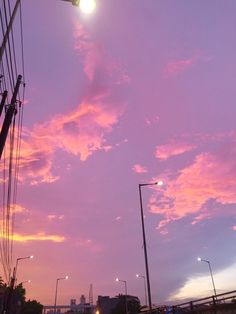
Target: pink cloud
{"x":173,"y":148}
{"x":189,"y":142}
{"x":200,"y":217}
{"x":139,"y":169}
{"x":209,"y":177}
{"x":234,"y":228}
{"x":96,"y":59}
{"x":178,"y":66}
{"x":175,"y":67}
{"x":152,"y":120}
{"x":82,"y":131}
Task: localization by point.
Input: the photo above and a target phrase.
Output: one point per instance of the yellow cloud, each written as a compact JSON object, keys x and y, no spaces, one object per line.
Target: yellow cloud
{"x":37,"y":237}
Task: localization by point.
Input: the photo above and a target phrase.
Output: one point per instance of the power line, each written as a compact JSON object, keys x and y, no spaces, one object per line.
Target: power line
{"x":12,"y":59}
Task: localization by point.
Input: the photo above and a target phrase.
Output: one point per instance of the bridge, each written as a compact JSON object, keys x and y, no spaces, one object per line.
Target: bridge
{"x":224,"y":303}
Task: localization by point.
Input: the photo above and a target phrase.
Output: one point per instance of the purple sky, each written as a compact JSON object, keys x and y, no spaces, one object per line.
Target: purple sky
{"x":136,"y":92}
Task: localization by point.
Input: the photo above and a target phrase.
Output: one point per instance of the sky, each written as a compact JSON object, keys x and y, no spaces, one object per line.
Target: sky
{"x":137,"y":92}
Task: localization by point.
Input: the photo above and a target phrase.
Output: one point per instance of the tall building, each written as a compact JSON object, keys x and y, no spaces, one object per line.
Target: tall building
{"x":118,"y":304}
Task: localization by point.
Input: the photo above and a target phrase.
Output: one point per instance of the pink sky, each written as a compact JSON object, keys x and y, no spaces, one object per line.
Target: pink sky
{"x":137,"y":92}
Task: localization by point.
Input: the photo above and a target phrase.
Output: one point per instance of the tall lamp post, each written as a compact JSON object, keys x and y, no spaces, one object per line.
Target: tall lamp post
{"x":124,"y":281}
{"x":7,"y":307}
{"x":15,"y":268}
{"x":145,"y":288}
{"x":55,"y":303}
{"x":144,"y":240}
{"x":209,"y":265}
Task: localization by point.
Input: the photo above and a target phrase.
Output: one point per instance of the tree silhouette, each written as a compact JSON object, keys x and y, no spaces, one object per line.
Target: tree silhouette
{"x":32,"y":307}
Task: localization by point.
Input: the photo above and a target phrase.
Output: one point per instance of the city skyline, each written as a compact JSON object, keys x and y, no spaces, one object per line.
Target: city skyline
{"x":137,"y":92}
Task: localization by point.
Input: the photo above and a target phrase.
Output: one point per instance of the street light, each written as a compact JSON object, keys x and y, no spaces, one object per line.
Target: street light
{"x":8,"y":304}
{"x":145,"y":288}
{"x":86,"y":6}
{"x":55,"y":303}
{"x":15,"y":268}
{"x":159,"y":183}
{"x":209,"y":264}
{"x":124,"y":281}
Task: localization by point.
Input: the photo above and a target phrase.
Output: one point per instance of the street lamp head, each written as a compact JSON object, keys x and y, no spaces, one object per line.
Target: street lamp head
{"x":159,"y":183}
{"x":199,"y":259}
{"x":66,"y":277}
{"x":117,"y":279}
{"x":27,"y":257}
{"x":76,"y":2}
{"x":137,"y":275}
{"x":87,"y":6}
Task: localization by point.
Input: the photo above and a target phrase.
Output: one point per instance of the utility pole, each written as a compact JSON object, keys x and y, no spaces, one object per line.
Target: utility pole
{"x":2,"y":104}
{"x":12,"y":108}
{"x":9,"y":115}
{"x":8,"y":301}
{"x":9,"y":27}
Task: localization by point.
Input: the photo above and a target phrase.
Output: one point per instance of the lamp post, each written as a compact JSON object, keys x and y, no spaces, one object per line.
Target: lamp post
{"x":209,"y":265}
{"x":55,"y":303}
{"x":145,"y":288}
{"x":15,"y":268}
{"x":7,"y":307}
{"x":124,"y":281}
{"x":144,"y":240}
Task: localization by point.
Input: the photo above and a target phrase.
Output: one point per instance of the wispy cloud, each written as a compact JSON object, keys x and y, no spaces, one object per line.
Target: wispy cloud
{"x":37,"y":237}
{"x":97,"y":62}
{"x":173,"y":148}
{"x":18,"y":209}
{"x":55,"y":217}
{"x":152,"y":120}
{"x":188,"y":142}
{"x":177,"y":66}
{"x":139,"y":169}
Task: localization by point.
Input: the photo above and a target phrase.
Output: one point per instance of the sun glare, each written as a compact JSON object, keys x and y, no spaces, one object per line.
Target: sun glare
{"x":87,"y":6}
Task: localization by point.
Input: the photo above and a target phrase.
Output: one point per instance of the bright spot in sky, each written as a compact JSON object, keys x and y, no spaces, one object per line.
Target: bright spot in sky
{"x":87,"y":6}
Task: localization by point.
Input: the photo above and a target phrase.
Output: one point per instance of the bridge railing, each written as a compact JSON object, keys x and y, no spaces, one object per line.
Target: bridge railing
{"x":214,"y":301}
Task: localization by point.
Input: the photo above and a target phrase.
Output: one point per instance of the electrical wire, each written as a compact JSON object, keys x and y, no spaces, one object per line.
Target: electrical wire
{"x":10,"y":164}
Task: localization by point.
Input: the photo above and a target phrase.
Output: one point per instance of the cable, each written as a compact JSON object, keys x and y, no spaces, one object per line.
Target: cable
{"x":13,"y":44}
{"x":11,"y":160}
